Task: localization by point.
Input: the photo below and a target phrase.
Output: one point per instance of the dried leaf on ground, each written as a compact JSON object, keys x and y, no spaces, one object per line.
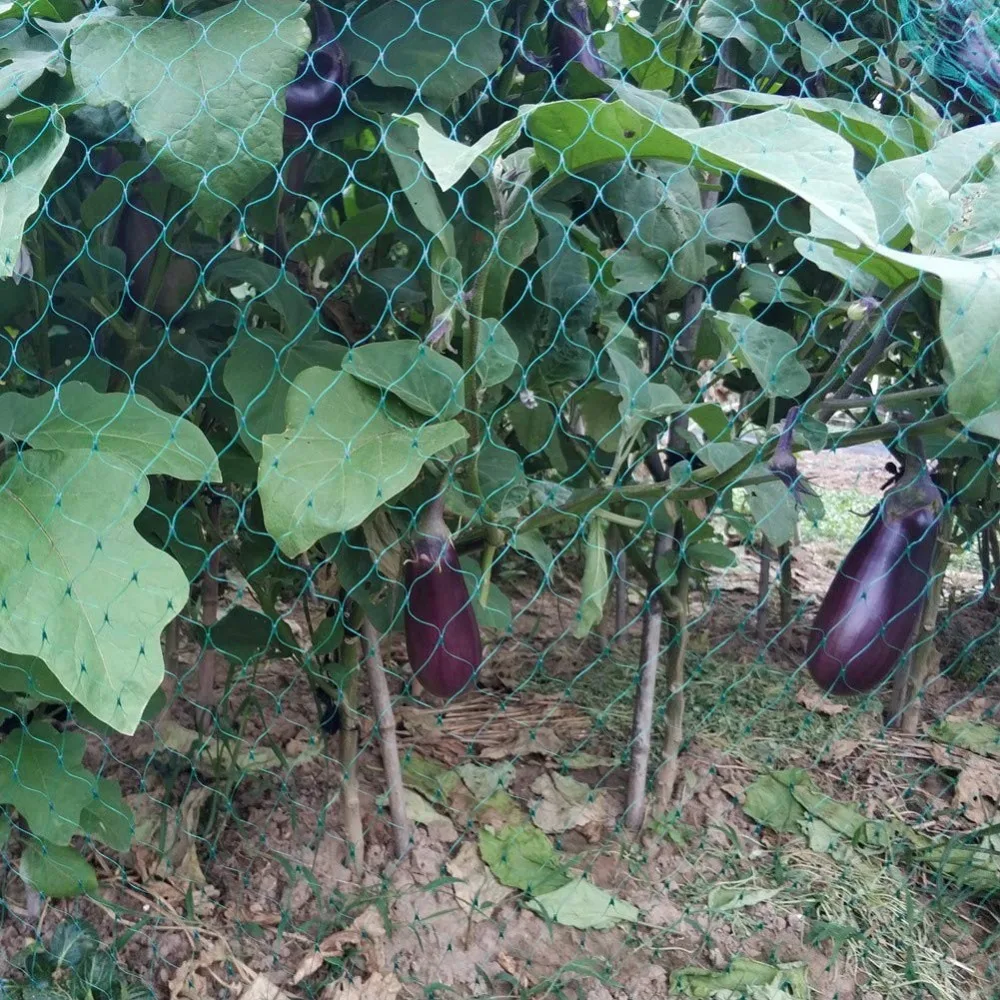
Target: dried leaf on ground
{"x":423,"y":813}
{"x":815,"y":701}
{"x":378,"y":986}
{"x":475,"y":889}
{"x":583,"y":905}
{"x":526,"y":742}
{"x":188,"y":983}
{"x":567,"y":804}
{"x":744,"y":977}
{"x":978,"y":783}
{"x":725,"y":898}
{"x":262,"y":989}
{"x":232,"y":754}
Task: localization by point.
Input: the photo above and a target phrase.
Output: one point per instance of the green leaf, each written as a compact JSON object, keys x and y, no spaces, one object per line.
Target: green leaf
{"x":773,"y":508}
{"x":109,"y":817}
{"x":432,"y":780}
{"x":531,"y":544}
{"x":99,"y":594}
{"x":344,"y":453}
{"x":76,"y":416}
{"x":770,"y":802}
{"x":207,"y":111}
{"x":770,"y":353}
{"x":498,"y":356}
{"x":979,"y":737}
{"x":42,"y":776}
{"x":711,"y":553}
{"x":653,"y":60}
{"x":244,"y":635}
{"x":298,"y":311}
{"x":435,"y":47}
{"x":29,"y":675}
{"x":401,"y":143}
{"x":260,"y":371}
{"x":57,"y":872}
{"x":596,"y":579}
{"x":24,"y":59}
{"x":582,"y":905}
{"x":879,"y":137}
{"x":448,"y":160}
{"x":422,"y":378}
{"x":778,"y":146}
{"x":523,"y":858}
{"x":659,"y":216}
{"x":501,"y":477}
{"x":820,"y":50}
{"x":642,"y":399}
{"x":724,"y":899}
{"x":36,"y":142}
{"x":498,"y":612}
{"x":744,"y":977}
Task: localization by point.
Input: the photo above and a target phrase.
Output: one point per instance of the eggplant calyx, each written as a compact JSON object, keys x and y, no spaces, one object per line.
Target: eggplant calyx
{"x":783,"y":464}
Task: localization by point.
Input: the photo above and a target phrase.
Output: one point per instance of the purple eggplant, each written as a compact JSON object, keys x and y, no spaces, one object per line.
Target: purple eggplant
{"x":864,"y":626}
{"x":442,"y":635}
{"x":315,"y":95}
{"x":570,"y":38}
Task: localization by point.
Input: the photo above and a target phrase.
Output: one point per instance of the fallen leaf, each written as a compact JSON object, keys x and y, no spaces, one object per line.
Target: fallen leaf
{"x":475,"y":889}
{"x":979,"y":737}
{"x":378,"y":986}
{"x":977,"y":782}
{"x":262,"y":989}
{"x":187,"y":983}
{"x":725,"y":898}
{"x":542,"y":742}
{"x":422,"y":812}
{"x":582,"y":905}
{"x":232,"y":754}
{"x":842,"y":748}
{"x":484,"y":781}
{"x":567,"y":804}
{"x":815,"y":701}
{"x":309,"y":966}
{"x":523,"y":858}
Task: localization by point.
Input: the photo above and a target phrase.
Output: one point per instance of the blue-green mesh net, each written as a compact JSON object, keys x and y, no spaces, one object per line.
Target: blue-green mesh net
{"x":499,"y":498}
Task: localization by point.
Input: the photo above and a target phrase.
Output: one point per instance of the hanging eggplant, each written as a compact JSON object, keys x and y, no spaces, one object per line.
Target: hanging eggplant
{"x":317,"y":92}
{"x":442,"y":635}
{"x":571,"y":38}
{"x":866,"y":621}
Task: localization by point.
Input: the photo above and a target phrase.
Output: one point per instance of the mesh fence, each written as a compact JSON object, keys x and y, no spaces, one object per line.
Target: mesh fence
{"x":499,"y":498}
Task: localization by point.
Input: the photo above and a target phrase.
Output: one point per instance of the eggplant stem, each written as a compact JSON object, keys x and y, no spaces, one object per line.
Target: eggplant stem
{"x":786,"y":586}
{"x":354,"y":833}
{"x":645,"y":700}
{"x":763,"y":588}
{"x":385,"y":729}
{"x":666,"y":780}
{"x":485,"y":580}
{"x":208,"y":668}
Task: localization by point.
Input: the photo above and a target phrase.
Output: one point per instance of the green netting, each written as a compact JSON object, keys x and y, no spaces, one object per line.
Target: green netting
{"x":499,"y":498}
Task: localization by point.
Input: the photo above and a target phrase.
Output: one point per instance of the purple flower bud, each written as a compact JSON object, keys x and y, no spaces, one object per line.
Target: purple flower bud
{"x":783,"y":463}
{"x":441,"y":328}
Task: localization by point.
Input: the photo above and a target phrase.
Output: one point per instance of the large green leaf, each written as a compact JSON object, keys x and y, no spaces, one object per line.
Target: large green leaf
{"x":880,"y":137}
{"x":42,"y":776}
{"x":438,"y":48}
{"x":344,"y":453}
{"x":201,"y":90}
{"x":641,"y":398}
{"x":778,"y":146}
{"x":23,"y":60}
{"x":261,"y":368}
{"x":108,"y":817}
{"x":36,"y":142}
{"x":422,"y":378}
{"x":76,"y":416}
{"x":79,"y":587}
{"x":583,"y":905}
{"x":767,"y":351}
{"x":57,"y":872}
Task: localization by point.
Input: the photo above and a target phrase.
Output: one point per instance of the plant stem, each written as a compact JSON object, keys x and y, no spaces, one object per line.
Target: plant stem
{"x":171,"y":643}
{"x":786,"y":587}
{"x":889,"y":400}
{"x":645,"y":699}
{"x":385,"y":730}
{"x":763,"y":589}
{"x":676,"y":656}
{"x":621,"y":587}
{"x":209,"y":666}
{"x":903,"y":708}
{"x":354,"y":833}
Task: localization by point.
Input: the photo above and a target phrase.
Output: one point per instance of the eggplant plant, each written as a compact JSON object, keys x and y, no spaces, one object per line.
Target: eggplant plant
{"x":477,"y":274}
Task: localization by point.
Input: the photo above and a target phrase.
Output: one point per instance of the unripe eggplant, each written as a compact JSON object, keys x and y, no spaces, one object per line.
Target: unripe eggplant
{"x":315,"y":95}
{"x":442,"y":635}
{"x":865,"y":623}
